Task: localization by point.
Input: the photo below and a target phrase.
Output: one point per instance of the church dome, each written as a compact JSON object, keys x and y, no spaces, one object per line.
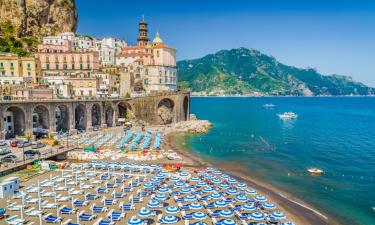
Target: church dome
{"x":157,"y":39}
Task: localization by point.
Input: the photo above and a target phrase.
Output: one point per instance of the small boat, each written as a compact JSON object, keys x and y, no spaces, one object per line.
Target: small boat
{"x":288,"y":116}
{"x":315,"y":171}
{"x":269,"y":106}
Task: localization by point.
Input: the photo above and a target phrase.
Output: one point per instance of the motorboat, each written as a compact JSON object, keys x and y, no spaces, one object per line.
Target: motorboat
{"x":287,"y":115}
{"x":269,"y":106}
{"x":315,"y":171}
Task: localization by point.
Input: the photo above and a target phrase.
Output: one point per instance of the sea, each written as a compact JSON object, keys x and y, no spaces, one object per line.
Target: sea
{"x":336,"y":134}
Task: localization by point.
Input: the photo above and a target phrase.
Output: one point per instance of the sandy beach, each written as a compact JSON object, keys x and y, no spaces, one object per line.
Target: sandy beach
{"x":297,"y":210}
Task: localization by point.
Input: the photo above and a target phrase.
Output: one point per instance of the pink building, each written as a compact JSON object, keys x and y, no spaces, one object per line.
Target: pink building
{"x":62,"y":60}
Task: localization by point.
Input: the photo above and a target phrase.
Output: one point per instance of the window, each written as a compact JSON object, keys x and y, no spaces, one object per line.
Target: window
{"x":11,"y":65}
{"x":47,"y":66}
{"x":3,"y":73}
{"x":157,"y":53}
{"x":29,"y":74}
{"x":65,"y":66}
{"x":57,"y":66}
{"x":72,"y":66}
{"x":28,"y":66}
{"x":1,"y":64}
{"x":12,"y":73}
{"x":88,"y":66}
{"x":90,"y":93}
{"x":81,"y":93}
{"x":80,"y":66}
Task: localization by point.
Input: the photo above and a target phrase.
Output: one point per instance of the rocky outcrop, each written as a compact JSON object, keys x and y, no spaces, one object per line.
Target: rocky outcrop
{"x":165,"y":115}
{"x":37,"y":18}
{"x":193,"y":125}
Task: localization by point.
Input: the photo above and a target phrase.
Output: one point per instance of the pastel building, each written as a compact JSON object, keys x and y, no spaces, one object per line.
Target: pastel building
{"x":17,"y":70}
{"x":79,"y":43}
{"x":108,"y":48}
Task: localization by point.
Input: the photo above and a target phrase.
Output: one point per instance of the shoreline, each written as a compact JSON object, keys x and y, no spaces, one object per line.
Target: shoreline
{"x":297,"y":210}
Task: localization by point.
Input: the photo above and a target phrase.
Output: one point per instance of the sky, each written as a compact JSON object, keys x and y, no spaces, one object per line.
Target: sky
{"x":332,"y":36}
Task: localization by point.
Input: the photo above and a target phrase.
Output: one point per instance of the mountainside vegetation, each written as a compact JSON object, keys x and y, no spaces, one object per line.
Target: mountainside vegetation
{"x":246,"y":71}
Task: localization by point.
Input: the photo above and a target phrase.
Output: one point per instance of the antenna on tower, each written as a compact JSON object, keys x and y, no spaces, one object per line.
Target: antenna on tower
{"x":143,"y":17}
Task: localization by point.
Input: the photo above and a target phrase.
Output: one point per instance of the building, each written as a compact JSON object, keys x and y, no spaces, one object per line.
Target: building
{"x":79,"y":42}
{"x":9,"y":186}
{"x":17,"y":70}
{"x":108,"y":48}
{"x":151,"y":66}
{"x":109,"y":84}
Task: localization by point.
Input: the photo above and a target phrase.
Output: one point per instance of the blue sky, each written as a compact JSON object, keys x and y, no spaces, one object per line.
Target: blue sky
{"x":335,"y":37}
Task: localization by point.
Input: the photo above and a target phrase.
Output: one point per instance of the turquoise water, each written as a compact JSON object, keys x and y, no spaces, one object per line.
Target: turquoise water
{"x":335,"y":134}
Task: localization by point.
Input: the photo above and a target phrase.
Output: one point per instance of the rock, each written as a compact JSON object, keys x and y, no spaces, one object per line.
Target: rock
{"x":37,"y":18}
{"x":193,"y":126}
{"x":165,"y":115}
{"x":193,"y":116}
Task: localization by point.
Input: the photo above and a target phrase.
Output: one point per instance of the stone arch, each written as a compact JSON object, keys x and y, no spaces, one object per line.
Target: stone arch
{"x":165,"y":111}
{"x":96,"y":115}
{"x":62,"y":118}
{"x":40,"y":117}
{"x":14,"y":122}
{"x":109,"y":115}
{"x":186,"y":108}
{"x":80,"y":117}
{"x":124,"y":110}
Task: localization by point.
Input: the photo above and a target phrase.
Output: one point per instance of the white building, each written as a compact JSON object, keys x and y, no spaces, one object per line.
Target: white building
{"x":80,"y":43}
{"x":108,"y":48}
{"x":9,"y":186}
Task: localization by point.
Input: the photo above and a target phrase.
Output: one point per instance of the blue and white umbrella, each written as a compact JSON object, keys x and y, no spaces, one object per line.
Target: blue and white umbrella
{"x":186,"y":190}
{"x":210,"y":169}
{"x":172,"y":209}
{"x":144,"y":212}
{"x":195,"y":179}
{"x":184,"y":175}
{"x":208,"y":176}
{"x":232,"y":191}
{"x":164,"y":171}
{"x":248,"y":207}
{"x":199,"y":223}
{"x":180,"y":184}
{"x":241,"y":186}
{"x":160,"y":176}
{"x":135,"y":221}
{"x":174,"y":179}
{"x":232,"y":181}
{"x":221,"y":203}
{"x":191,"y":198}
{"x":162,"y":190}
{"x":226,"y":213}
{"x":228,"y":222}
{"x":208,"y":189}
{"x":224,"y":186}
{"x":199,"y":215}
{"x":153,"y":204}
{"x":269,"y":205}
{"x":195,"y":205}
{"x":241,"y":198}
{"x":148,"y":185}
{"x":225,"y":176}
{"x":278,"y":215}
{"x":161,"y":197}
{"x":261,"y":224}
{"x":215,"y":195}
{"x":201,"y":184}
{"x":216,"y":180}
{"x":217,"y":172}
{"x":250,"y":191}
{"x":260,"y":198}
{"x":288,"y":223}
{"x":257,"y":216}
{"x":169,"y":219}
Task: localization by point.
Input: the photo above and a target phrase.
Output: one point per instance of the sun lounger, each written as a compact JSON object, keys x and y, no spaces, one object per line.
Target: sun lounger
{"x":111,"y":185}
{"x":79,"y":203}
{"x":99,"y":209}
{"x":101,"y":190}
{"x":14,"y":207}
{"x":91,"y":196}
{"x":33,"y":212}
{"x":110,"y":201}
{"x":52,"y":219}
{"x":66,"y":210}
{"x":14,"y":220}
{"x":118,"y":195}
{"x":127,"y":206}
{"x":61,"y":188}
{"x":86,"y":217}
{"x":116,"y":216}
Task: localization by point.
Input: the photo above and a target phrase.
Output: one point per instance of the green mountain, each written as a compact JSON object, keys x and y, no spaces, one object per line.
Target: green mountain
{"x":247,"y":71}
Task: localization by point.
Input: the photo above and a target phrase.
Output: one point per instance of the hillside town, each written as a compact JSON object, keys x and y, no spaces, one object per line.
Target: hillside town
{"x":71,"y":66}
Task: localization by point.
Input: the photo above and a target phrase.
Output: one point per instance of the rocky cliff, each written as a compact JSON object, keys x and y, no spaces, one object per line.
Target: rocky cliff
{"x":36,"y":18}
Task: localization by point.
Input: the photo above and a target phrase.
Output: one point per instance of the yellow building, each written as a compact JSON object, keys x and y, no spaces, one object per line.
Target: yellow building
{"x":17,"y":70}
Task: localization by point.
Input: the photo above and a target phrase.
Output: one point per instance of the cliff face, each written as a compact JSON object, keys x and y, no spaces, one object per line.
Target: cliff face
{"x":39,"y":17}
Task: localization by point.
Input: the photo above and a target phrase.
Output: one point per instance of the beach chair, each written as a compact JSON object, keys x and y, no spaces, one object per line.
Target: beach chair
{"x":51,"y":219}
{"x":111,"y":185}
{"x":99,"y":209}
{"x":127,"y":189}
{"x":119,"y":180}
{"x":118,"y":195}
{"x":109,"y":201}
{"x":126,"y":206}
{"x":14,"y":207}
{"x":86,"y":217}
{"x":14,"y":220}
{"x":137,"y":200}
{"x":116,"y":216}
{"x":79,"y":203}
{"x":66,"y":210}
{"x":33,"y":212}
{"x":60,"y":198}
{"x":91,"y":196}
{"x":61,"y":188}
{"x":101,"y":190}
{"x":100,"y":221}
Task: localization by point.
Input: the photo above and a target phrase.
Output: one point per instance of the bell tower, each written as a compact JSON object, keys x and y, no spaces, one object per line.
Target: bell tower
{"x":143,"y":40}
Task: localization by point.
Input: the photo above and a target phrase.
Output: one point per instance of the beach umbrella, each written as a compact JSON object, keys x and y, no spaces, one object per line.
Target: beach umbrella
{"x":169,"y":219}
{"x":278,"y":215}
{"x":191,"y":198}
{"x":161,"y":197}
{"x":201,"y":184}
{"x":248,"y":207}
{"x":148,"y":185}
{"x":241,"y":186}
{"x":241,"y":198}
{"x":220,"y":203}
{"x":199,"y":223}
{"x":199,"y":215}
{"x":232,"y":191}
{"x":195,"y":179}
{"x":153,"y":204}
{"x":269,"y":205}
{"x":288,"y":223}
{"x":186,"y":190}
{"x":184,"y":175}
{"x":215,"y":195}
{"x":260,"y":198}
{"x":180,"y":184}
{"x":228,"y":222}
{"x":257,"y":216}
{"x":172,"y":209}
{"x":261,"y":224}
{"x":144,"y":212}
{"x":210,"y":169}
{"x":226,"y":213}
{"x":224,"y":186}
{"x":135,"y":221}
{"x":208,"y":176}
{"x":232,"y":181}
{"x":162,"y":190}
{"x":217,"y":172}
{"x":216,"y":180}
{"x":174,"y":179}
{"x":225,"y":176}
{"x":250,"y":191}
{"x":195,"y":205}
{"x":208,"y":189}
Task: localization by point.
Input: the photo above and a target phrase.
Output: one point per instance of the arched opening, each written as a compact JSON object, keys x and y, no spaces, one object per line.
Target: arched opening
{"x":109,"y":116}
{"x":96,"y":115}
{"x":165,"y":111}
{"x":186,"y":108}
{"x":80,"y":117}
{"x":41,"y":117}
{"x":14,"y":122}
{"x":62,"y":118}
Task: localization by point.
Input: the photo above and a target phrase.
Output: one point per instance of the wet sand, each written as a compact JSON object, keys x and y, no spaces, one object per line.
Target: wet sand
{"x":296,"y":209}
